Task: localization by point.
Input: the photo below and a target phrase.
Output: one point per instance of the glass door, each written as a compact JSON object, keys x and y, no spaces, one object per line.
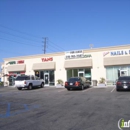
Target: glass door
{"x":46,"y":79}
{"x":81,"y":74}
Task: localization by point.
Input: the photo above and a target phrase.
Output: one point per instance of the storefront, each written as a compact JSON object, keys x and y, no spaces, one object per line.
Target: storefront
{"x":117,"y":63}
{"x":78,"y":64}
{"x":14,"y":69}
{"x":96,"y":63}
{"x":45,"y":70}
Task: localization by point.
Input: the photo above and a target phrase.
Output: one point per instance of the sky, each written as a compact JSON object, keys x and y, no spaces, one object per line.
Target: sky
{"x":67,"y":25}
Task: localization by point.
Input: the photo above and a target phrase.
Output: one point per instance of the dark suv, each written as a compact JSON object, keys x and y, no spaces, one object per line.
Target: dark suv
{"x":123,"y":83}
{"x":76,"y":83}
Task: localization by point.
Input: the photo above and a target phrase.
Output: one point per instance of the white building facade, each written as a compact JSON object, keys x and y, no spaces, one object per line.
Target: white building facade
{"x":108,"y":62}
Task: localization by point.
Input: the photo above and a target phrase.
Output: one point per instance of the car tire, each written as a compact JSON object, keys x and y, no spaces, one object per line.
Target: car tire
{"x":30,"y":86}
{"x":68,"y":89}
{"x":19,"y":88}
{"x":42,"y":85}
{"x":117,"y":89}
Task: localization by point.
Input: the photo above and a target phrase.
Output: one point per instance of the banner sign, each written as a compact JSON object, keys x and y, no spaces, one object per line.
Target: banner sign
{"x":76,"y":54}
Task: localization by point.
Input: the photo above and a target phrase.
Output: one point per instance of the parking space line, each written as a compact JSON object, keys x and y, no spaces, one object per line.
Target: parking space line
{"x":113,"y":89}
{"x":87,"y":90}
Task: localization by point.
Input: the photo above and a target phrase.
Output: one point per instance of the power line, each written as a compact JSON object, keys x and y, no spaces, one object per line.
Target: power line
{"x":57,"y":45}
{"x":20,"y":31}
{"x":18,"y":36}
{"x":19,"y":42}
{"x":51,"y":45}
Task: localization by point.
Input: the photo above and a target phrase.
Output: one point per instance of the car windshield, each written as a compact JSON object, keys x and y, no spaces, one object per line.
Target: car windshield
{"x":73,"y":79}
{"x":124,"y":78}
{"x":22,"y":78}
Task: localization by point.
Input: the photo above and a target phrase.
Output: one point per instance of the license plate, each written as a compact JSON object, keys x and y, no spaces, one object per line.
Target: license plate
{"x":125,"y":86}
{"x":71,"y":83}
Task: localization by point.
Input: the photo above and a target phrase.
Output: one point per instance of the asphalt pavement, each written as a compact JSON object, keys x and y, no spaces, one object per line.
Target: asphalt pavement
{"x":60,"y":109}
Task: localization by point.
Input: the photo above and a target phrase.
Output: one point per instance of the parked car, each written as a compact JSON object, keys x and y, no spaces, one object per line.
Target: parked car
{"x":76,"y":83}
{"x":123,"y":83}
{"x":28,"y":81}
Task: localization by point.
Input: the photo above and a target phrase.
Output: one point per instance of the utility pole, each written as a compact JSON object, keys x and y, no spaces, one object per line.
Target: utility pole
{"x":45,"y":42}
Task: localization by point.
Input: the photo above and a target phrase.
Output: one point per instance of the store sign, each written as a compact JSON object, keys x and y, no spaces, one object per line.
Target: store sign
{"x":11,"y":62}
{"x":122,"y":52}
{"x":20,"y":62}
{"x":14,"y":62}
{"x":47,"y":59}
{"x":76,"y":54}
{"x":117,"y":53}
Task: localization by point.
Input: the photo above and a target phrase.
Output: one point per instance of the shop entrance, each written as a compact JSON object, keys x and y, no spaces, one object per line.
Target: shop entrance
{"x":81,"y":74}
{"x":46,"y":78}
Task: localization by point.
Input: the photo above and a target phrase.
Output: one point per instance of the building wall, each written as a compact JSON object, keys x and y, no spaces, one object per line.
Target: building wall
{"x":98,"y":69}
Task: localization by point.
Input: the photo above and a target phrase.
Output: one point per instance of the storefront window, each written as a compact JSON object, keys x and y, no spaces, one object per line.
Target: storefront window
{"x":51,"y":74}
{"x":79,"y":72}
{"x":88,"y":74}
{"x":41,"y":75}
{"x":37,"y":73}
{"x":75,"y":72}
{"x":48,"y":73}
{"x":69,"y":74}
{"x":113,"y":72}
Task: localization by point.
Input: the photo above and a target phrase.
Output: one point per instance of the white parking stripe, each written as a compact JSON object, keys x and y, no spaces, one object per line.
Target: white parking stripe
{"x":87,"y":90}
{"x":113,"y":89}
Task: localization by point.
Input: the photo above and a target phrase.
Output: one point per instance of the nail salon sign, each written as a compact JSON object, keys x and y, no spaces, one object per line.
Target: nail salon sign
{"x":116,"y":53}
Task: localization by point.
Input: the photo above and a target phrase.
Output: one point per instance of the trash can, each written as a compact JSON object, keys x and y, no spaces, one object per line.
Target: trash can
{"x":94,"y":82}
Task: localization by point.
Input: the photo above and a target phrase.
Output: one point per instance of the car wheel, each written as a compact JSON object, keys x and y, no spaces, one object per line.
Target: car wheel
{"x":68,"y":89}
{"x":82,"y":87}
{"x":42,"y":85}
{"x":19,"y":88}
{"x":117,"y":89}
{"x":30,"y":87}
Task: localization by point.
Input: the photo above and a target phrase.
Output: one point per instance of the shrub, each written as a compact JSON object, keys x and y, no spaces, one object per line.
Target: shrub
{"x":1,"y":83}
{"x":102,"y":80}
{"x":60,"y":81}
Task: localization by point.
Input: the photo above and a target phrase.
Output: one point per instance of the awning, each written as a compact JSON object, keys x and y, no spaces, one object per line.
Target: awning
{"x":44,"y":66}
{"x":122,"y":60}
{"x":12,"y":68}
{"x":78,"y":63}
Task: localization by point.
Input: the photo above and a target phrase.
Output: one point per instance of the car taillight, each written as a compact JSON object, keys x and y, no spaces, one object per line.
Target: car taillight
{"x":25,"y":82}
{"x":77,"y":83}
{"x":118,"y":83}
{"x":66,"y":83}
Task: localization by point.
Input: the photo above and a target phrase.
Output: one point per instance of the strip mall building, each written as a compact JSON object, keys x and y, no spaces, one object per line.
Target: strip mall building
{"x":107,"y":62}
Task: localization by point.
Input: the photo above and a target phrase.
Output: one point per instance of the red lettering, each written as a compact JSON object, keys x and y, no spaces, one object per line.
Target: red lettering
{"x":47,"y":59}
{"x":20,"y":62}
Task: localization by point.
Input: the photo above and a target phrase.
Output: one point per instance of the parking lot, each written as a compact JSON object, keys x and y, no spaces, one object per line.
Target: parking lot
{"x":59,"y":109}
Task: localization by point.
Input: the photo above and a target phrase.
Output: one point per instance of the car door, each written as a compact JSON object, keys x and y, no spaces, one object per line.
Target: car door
{"x":38,"y":83}
{"x":33,"y":80}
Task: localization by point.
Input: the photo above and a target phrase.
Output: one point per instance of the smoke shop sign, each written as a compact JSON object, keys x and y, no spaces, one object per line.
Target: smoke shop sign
{"x":76,"y":54}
